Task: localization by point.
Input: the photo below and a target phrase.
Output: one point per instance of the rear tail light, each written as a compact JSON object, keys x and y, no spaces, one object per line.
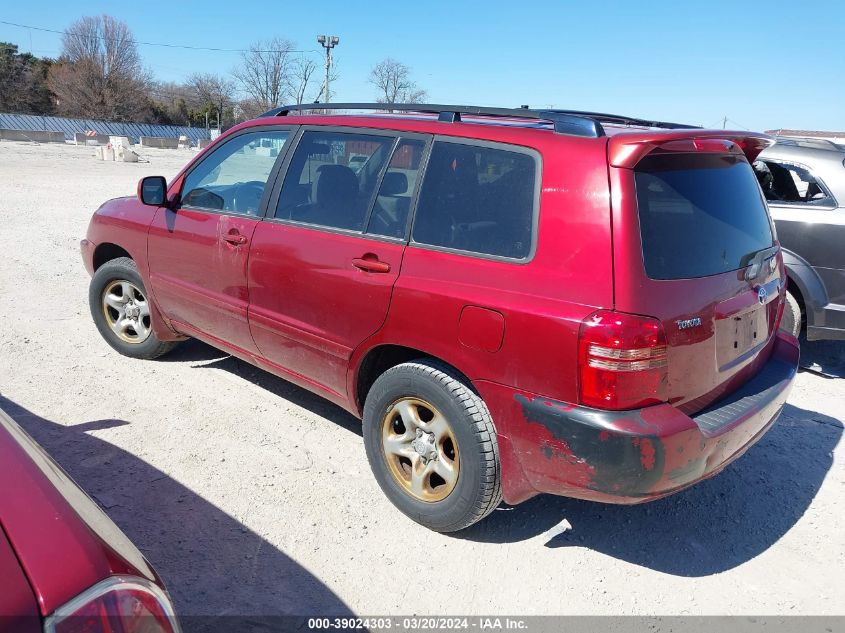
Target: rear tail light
{"x":623,"y":362}
{"x":120,"y":604}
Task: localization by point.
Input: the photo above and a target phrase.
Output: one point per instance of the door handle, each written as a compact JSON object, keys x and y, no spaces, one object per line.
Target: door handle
{"x":371,"y":265}
{"x":234,"y":238}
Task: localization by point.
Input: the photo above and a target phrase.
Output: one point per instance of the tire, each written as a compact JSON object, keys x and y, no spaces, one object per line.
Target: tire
{"x":791,"y":320}
{"x":122,"y":312}
{"x":466,"y":447}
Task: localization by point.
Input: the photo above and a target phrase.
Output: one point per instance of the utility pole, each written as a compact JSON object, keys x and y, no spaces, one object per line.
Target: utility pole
{"x":724,"y":123}
{"x":328,"y":42}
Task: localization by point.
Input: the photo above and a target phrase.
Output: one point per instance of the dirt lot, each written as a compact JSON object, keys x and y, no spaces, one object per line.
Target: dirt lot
{"x":252,"y":496}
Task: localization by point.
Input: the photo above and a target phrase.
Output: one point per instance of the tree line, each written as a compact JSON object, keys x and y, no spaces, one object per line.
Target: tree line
{"x":100,"y":75}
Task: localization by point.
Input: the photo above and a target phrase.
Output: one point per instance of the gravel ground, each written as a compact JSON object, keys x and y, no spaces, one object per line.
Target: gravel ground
{"x":252,"y":496}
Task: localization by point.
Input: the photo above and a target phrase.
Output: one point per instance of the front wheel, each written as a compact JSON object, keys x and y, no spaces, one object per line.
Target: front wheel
{"x":121,"y":310}
{"x":432,"y":446}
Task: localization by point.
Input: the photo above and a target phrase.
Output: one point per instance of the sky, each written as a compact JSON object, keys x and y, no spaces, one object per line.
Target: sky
{"x":763,"y":65}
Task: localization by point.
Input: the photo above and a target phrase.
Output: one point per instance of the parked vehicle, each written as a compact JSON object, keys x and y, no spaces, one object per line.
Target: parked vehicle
{"x":66,"y":568}
{"x":804,"y":183}
{"x":514,"y":301}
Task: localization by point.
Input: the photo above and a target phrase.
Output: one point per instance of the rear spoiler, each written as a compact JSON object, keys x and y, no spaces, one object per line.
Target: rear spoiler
{"x":626,"y":149}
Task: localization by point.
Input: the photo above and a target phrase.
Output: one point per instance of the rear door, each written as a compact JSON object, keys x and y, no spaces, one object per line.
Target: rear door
{"x":323,"y":264}
{"x":694,"y":247}
{"x":198,"y":252}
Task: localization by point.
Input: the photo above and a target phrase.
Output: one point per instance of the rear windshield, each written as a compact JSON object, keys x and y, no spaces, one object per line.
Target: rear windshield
{"x":700,"y":214}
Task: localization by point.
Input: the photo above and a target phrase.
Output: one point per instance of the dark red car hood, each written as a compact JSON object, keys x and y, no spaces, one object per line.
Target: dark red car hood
{"x":63,"y":541}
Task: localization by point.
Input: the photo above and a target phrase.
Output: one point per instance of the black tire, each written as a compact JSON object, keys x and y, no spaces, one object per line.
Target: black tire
{"x":791,"y":320}
{"x":118,"y":270}
{"x":477,"y":491}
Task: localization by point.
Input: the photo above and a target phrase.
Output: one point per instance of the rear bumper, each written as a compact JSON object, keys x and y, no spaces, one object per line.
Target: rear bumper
{"x":633,"y":456}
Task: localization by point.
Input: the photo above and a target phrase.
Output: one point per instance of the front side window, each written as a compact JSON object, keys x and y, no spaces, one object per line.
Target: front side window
{"x":790,"y":184}
{"x":477,"y":199}
{"x":332,"y":177}
{"x":233,"y":177}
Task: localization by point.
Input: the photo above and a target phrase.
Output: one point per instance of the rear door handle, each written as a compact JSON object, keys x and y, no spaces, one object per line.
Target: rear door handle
{"x":371,"y":265}
{"x":234,"y":238}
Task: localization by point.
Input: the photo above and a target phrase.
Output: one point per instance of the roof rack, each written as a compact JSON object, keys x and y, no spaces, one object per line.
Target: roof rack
{"x":572,"y":122}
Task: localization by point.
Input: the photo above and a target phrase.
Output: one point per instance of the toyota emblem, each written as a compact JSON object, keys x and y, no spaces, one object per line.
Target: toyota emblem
{"x":762,"y":295}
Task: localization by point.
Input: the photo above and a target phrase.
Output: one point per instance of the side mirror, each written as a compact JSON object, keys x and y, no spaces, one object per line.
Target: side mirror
{"x":152,"y":190}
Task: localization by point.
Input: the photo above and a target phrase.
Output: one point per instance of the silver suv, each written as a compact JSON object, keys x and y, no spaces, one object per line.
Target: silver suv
{"x":804,"y":183}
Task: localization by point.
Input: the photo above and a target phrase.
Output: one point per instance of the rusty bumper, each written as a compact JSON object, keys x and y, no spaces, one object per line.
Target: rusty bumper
{"x":631,"y":456}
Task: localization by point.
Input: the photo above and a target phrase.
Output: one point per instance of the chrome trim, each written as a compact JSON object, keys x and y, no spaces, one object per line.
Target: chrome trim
{"x":627,"y":354}
{"x":627,"y":365}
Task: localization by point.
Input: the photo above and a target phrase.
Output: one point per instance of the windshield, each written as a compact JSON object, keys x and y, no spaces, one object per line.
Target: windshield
{"x":700,"y":214}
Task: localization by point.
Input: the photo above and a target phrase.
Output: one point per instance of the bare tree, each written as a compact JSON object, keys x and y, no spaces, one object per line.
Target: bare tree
{"x":301,"y":79}
{"x":263,"y":74}
{"x":211,"y":92}
{"x":99,"y":73}
{"x":393,"y":80}
{"x":248,"y":108}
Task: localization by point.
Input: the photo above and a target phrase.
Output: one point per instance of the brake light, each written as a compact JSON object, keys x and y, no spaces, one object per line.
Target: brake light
{"x":120,"y":604}
{"x":623,"y":362}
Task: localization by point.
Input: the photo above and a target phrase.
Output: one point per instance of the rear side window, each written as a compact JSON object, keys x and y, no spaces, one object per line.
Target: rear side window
{"x":699,"y":214}
{"x":478,"y":199}
{"x":332,"y":177}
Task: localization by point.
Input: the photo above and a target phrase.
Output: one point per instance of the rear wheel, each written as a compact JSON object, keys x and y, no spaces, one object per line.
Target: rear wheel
{"x":791,"y":320}
{"x":432,"y":446}
{"x":121,"y":310}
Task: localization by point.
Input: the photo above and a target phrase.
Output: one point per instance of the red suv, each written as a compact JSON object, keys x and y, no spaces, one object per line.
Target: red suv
{"x":515,"y":301}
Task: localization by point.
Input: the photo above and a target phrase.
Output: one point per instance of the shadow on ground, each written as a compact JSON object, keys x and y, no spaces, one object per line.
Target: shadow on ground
{"x":202,"y":356}
{"x":212,"y":564}
{"x":712,"y":527}
{"x":825,"y":358}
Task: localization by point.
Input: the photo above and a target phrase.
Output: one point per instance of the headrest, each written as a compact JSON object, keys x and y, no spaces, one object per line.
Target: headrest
{"x":395,"y":183}
{"x":336,"y":185}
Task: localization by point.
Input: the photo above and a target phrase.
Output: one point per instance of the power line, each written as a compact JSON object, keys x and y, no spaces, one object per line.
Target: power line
{"x":139,"y":43}
{"x":737,"y":124}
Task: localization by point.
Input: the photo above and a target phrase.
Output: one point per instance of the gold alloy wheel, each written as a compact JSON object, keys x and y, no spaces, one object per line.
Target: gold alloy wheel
{"x":420,"y":449}
{"x":127,"y":311}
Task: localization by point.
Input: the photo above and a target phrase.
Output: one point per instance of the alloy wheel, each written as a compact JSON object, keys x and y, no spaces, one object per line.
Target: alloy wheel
{"x":127,"y":311}
{"x":420,"y":449}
